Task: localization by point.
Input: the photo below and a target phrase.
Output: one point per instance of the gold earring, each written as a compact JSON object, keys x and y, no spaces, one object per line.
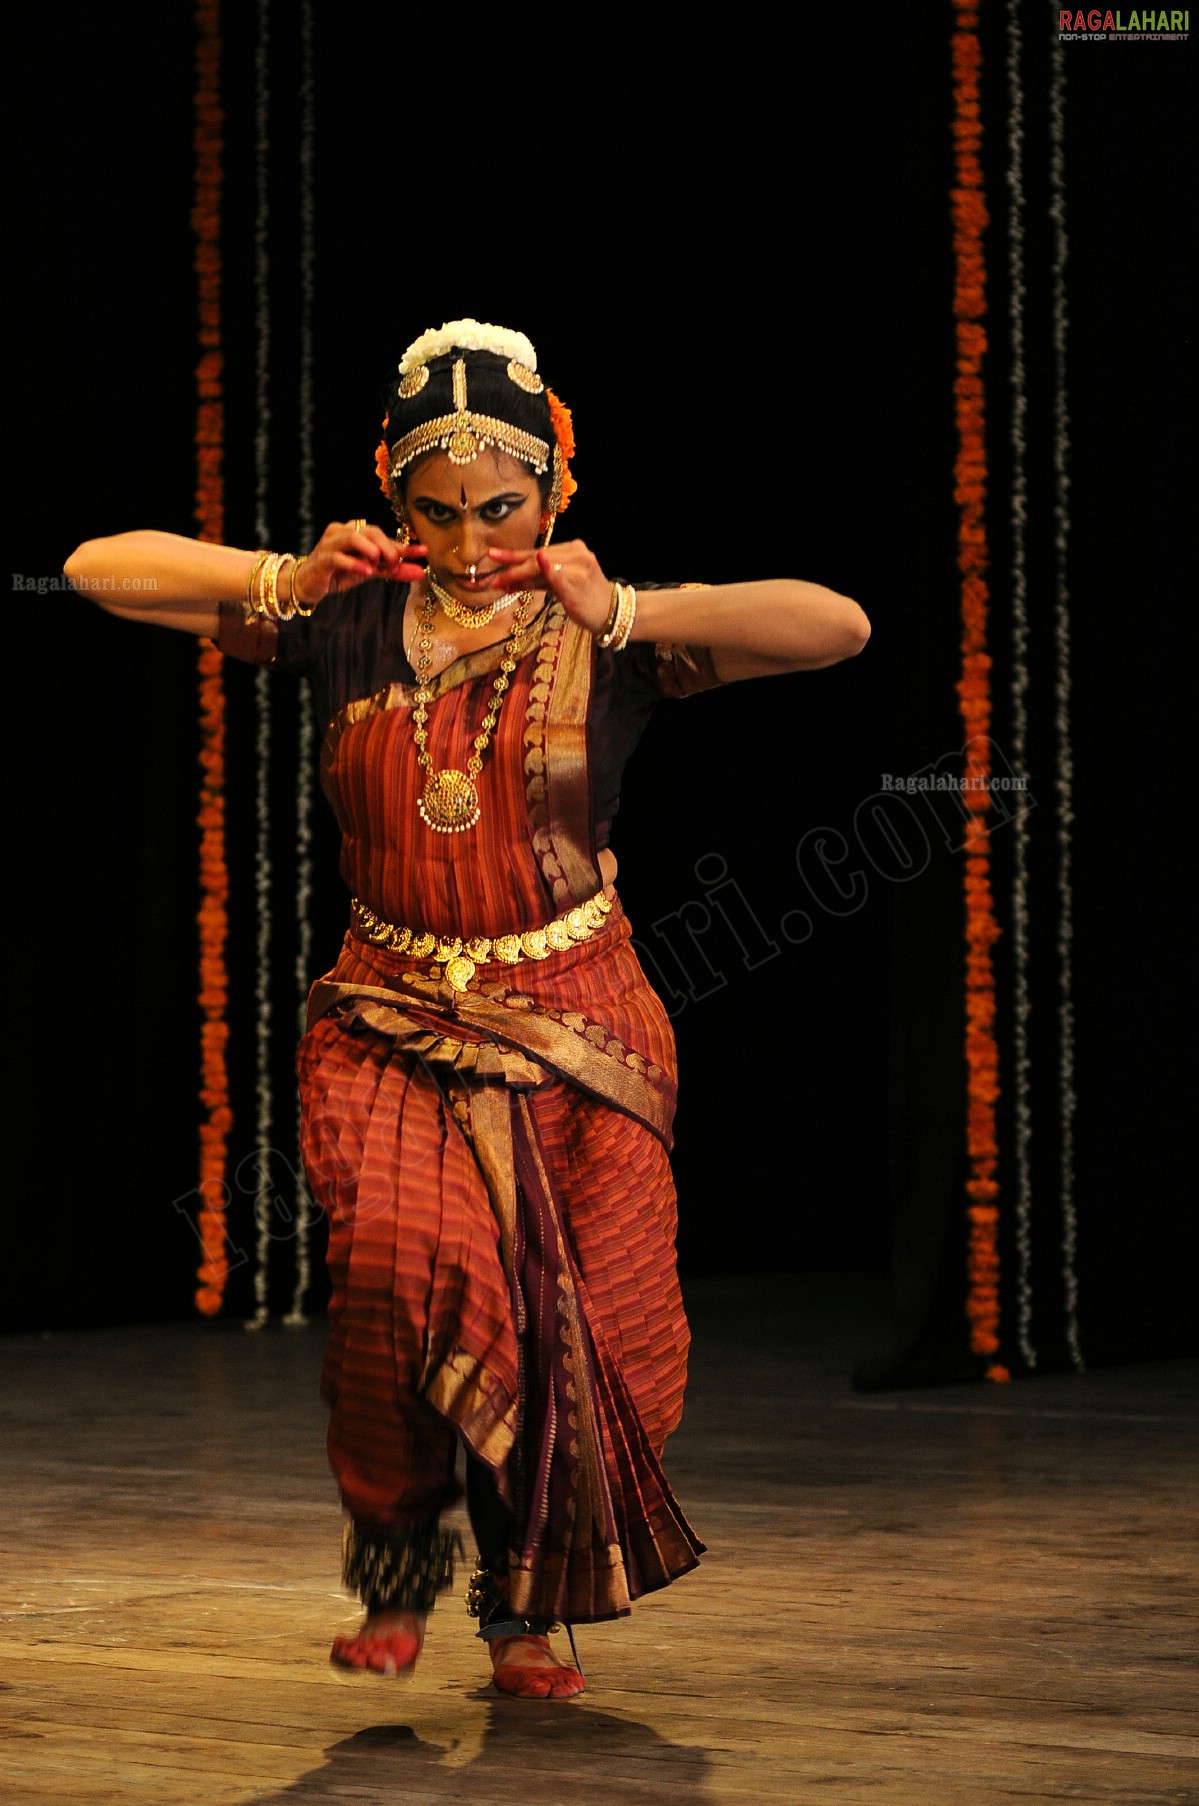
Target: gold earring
{"x":403,"y":533}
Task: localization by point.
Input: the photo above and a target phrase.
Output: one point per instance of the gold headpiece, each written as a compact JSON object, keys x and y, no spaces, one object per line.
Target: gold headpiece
{"x":463,"y":435}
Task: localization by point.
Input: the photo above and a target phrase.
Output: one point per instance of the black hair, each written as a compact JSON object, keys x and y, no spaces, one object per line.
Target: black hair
{"x":489,"y":390}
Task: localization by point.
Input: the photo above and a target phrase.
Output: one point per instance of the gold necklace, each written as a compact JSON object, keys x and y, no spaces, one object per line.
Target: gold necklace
{"x":459,"y":612}
{"x":449,"y":803}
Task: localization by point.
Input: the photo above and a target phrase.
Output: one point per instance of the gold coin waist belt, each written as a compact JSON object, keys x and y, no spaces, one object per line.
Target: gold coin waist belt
{"x":460,"y":955}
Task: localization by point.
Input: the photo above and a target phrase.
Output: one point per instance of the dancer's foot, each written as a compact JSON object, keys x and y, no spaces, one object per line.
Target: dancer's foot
{"x":526,"y":1667}
{"x":388,"y":1643}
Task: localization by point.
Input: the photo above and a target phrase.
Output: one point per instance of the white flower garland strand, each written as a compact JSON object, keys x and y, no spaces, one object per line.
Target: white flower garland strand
{"x":1021,"y":1006}
{"x":1065,"y":755}
{"x":469,"y":335}
{"x":296,"y":1316}
{"x":262,"y":274}
{"x":264,"y":1115}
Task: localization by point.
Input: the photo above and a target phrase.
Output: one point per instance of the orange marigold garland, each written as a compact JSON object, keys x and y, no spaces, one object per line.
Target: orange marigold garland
{"x":974,"y":693}
{"x":383,"y":460}
{"x":564,"y":433}
{"x":210,"y":514}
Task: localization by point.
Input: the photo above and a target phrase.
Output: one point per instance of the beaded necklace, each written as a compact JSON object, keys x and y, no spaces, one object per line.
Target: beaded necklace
{"x":449,"y":803}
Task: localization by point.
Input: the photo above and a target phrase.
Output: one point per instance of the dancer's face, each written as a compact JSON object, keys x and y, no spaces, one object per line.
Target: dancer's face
{"x":458,"y":510}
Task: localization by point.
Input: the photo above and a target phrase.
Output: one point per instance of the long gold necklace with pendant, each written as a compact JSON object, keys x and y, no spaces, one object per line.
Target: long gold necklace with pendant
{"x":449,"y":803}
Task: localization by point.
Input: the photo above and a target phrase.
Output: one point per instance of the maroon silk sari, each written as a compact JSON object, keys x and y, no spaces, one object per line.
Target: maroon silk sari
{"x":494,"y":1160}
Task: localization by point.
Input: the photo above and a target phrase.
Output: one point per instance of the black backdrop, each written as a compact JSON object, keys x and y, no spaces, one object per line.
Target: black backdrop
{"x":734,"y":258}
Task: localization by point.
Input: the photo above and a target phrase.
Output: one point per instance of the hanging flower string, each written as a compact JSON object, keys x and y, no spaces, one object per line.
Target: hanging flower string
{"x":1062,"y":688}
{"x":264,"y":1113}
{"x":1022,"y":1090}
{"x":210,"y":515}
{"x":974,"y":694}
{"x":305,"y":1211}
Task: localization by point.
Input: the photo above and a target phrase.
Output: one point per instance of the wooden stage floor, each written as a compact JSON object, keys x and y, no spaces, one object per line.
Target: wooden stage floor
{"x":965,"y":1594}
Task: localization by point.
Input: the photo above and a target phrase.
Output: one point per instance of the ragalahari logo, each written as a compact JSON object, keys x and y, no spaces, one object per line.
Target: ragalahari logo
{"x":1108,"y":27}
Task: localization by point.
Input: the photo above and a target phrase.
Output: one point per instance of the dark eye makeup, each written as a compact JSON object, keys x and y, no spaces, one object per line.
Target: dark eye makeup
{"x":497,"y":508}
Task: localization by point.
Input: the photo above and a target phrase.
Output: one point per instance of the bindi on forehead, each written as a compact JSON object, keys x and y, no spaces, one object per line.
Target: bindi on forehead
{"x":465,"y":503}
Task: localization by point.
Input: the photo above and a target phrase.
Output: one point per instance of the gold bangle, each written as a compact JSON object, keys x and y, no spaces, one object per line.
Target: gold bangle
{"x":622,"y":620}
{"x":263,"y":600}
{"x":605,"y":633}
{"x":253,"y":606}
{"x":609,"y":627}
{"x":303,"y":609}
{"x":270,"y":585}
{"x":619,"y":624}
{"x":287,"y":610}
{"x":261,"y":575}
{"x":628,"y":615}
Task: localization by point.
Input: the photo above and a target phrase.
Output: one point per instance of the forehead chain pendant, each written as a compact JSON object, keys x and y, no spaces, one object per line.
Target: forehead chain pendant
{"x":463,"y":447}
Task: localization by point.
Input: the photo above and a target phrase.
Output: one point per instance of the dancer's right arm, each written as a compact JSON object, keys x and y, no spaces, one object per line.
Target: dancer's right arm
{"x":171,"y":581}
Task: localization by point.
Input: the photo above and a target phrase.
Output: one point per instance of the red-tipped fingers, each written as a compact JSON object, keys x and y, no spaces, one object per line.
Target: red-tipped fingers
{"x":380,"y":556}
{"x":349,"y":568}
{"x":524,"y":573}
{"x":401,"y":562}
{"x":373,"y":540}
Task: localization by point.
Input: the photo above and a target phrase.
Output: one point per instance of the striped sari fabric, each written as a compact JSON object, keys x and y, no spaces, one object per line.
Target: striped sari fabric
{"x":493,"y":1161}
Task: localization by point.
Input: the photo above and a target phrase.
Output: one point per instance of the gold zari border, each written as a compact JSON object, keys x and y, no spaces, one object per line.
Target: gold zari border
{"x":613,"y":1077}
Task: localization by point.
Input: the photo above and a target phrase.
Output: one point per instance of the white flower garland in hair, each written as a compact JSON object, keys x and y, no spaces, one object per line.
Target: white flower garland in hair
{"x":468,"y":335}
{"x":1065,"y":753}
{"x":1022,"y":1005}
{"x":304,"y":739}
{"x":265,"y":1103}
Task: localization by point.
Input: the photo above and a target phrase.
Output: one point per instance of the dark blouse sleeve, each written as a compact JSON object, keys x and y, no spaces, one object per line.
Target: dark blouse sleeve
{"x":628,"y":686}
{"x":665,"y":669}
{"x":351,"y":645}
{"x":683,"y":670}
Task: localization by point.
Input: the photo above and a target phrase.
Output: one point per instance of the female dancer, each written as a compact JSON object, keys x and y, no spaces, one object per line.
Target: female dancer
{"x":487,"y":1079}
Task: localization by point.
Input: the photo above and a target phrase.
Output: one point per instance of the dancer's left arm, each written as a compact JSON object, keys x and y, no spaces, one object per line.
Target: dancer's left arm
{"x":752,"y":629}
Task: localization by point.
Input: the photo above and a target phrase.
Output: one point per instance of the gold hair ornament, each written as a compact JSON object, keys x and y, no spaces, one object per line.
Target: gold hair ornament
{"x":524,"y":378}
{"x":463,"y":435}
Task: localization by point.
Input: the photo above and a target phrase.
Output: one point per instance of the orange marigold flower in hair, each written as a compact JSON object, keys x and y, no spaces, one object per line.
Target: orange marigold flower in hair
{"x":564,"y":433}
{"x":563,"y":427}
{"x":383,"y":461}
